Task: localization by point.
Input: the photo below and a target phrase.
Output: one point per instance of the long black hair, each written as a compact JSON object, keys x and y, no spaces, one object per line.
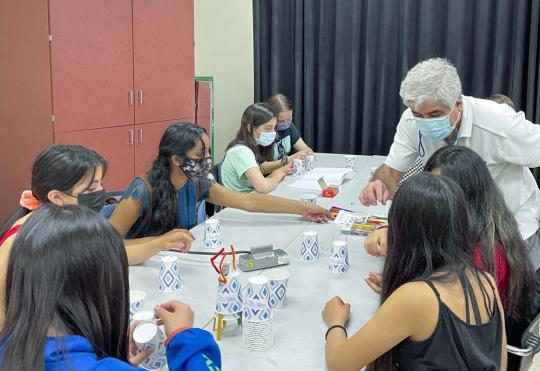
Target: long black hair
{"x":491,"y":220}
{"x":254,"y":116}
{"x":68,"y":271}
{"x":178,"y":139}
{"x":58,"y":167}
{"x":428,"y":233}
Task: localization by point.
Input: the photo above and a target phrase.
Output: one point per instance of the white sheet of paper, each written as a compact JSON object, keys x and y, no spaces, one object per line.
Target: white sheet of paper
{"x":332,"y":176}
{"x":311,"y":185}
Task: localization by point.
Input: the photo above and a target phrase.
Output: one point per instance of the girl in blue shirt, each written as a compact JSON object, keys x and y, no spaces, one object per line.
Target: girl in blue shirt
{"x":162,"y":203}
{"x":67,"y":303}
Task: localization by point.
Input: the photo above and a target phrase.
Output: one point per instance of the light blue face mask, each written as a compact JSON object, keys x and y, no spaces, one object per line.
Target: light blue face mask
{"x":284,"y":125}
{"x":436,"y":128}
{"x":266,"y":138}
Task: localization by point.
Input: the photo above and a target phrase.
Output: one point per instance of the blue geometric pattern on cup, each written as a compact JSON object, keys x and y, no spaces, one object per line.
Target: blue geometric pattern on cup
{"x":212,"y":229}
{"x":229,"y":297}
{"x":310,"y":249}
{"x":212,"y":242}
{"x":256,"y":305}
{"x":278,"y":293}
{"x":339,"y":260}
{"x":169,"y":278}
{"x":298,"y":167}
{"x":349,"y":162}
{"x":158,"y":359}
{"x":155,"y":361}
{"x":310,"y":164}
{"x":136,"y":306}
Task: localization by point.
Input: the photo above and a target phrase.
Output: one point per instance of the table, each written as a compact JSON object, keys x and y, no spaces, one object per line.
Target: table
{"x":298,"y":327}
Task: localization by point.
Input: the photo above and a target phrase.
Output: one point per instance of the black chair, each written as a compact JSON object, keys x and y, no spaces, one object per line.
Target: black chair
{"x":212,"y":209}
{"x":216,"y":172}
{"x":530,"y":342}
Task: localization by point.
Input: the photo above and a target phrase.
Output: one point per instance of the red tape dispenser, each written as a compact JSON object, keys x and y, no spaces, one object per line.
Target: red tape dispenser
{"x":327,"y":191}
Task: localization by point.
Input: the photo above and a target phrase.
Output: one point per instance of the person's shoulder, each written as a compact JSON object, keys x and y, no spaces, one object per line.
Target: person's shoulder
{"x":240,"y":150}
{"x":415,"y":297}
{"x":138,"y":182}
{"x":490,"y":116}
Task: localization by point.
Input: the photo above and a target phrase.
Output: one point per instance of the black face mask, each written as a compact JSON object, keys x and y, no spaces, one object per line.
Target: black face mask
{"x":93,"y":200}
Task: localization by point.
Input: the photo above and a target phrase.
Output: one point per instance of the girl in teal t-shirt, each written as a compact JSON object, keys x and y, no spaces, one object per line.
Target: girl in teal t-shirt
{"x":253,"y":145}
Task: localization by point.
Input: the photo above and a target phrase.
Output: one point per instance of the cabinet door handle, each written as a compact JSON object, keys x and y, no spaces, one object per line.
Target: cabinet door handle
{"x":140,"y":95}
{"x":130,"y":98}
{"x":131,"y":137}
{"x":140,"y":136}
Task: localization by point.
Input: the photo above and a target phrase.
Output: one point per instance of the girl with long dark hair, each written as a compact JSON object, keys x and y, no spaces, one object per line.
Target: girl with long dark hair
{"x":499,"y":248}
{"x":67,"y":304}
{"x":62,"y":175}
{"x":162,"y":203}
{"x":438,"y":311}
{"x":242,"y":168}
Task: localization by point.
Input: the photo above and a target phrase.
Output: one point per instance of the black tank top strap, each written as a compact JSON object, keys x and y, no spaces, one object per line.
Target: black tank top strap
{"x":489,"y":303}
{"x":466,"y":297}
{"x":430,"y":284}
{"x":469,"y":294}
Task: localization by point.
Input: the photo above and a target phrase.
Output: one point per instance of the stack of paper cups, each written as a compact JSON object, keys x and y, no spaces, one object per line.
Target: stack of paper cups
{"x":310,"y":162}
{"x":339,"y":257}
{"x":257,"y":316}
{"x":147,"y":335}
{"x":229,"y":297}
{"x":169,"y":275}
{"x":298,"y":167}
{"x":310,"y":247}
{"x":212,"y":234}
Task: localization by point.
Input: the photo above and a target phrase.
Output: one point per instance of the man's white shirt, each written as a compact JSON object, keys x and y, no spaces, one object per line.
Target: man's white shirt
{"x":505,"y":139}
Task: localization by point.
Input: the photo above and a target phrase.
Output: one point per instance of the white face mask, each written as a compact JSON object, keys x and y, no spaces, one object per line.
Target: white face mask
{"x":266,"y":138}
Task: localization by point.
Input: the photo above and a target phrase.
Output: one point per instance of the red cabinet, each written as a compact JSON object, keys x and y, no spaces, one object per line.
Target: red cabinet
{"x":116,"y":145}
{"x":163,"y":40}
{"x":147,"y":143}
{"x":91,"y":63}
{"x":109,"y":75}
{"x":25,"y":96}
{"x":121,"y":72}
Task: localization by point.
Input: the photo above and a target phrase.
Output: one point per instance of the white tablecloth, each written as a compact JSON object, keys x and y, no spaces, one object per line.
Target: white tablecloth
{"x":298,"y":327}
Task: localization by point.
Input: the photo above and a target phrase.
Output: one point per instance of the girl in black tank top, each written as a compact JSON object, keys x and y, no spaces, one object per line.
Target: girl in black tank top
{"x":429,"y":249}
{"x":456,"y":344}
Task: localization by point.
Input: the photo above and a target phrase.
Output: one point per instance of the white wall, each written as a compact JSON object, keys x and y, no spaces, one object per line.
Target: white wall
{"x":224,"y":50}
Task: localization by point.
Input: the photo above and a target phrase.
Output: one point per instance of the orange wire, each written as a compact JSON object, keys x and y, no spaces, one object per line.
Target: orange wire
{"x":233,"y":257}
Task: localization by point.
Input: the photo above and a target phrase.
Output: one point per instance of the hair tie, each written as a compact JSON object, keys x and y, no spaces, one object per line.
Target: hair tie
{"x":28,"y":201}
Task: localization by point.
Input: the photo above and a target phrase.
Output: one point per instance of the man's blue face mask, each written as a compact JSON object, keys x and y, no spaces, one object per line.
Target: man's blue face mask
{"x":436,"y":128}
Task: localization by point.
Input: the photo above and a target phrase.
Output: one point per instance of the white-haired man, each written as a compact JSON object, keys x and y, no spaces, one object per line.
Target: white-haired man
{"x":439,"y":115}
